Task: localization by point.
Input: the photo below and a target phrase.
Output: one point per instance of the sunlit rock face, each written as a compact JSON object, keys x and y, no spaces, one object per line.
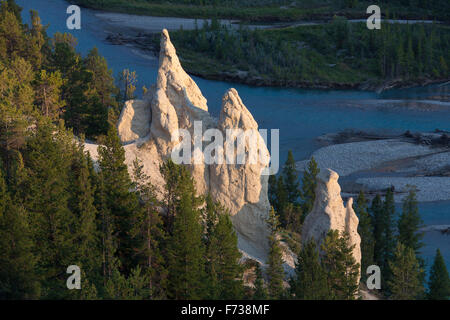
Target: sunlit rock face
{"x":148,"y":128}
{"x":329,"y":213}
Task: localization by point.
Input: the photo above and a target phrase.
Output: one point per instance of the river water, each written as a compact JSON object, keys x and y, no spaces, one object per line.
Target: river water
{"x":301,"y":115}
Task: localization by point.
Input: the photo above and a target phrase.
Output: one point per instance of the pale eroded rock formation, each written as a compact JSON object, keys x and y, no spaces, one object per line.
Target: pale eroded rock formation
{"x":329,"y":213}
{"x":176,"y":103}
{"x":147,"y":129}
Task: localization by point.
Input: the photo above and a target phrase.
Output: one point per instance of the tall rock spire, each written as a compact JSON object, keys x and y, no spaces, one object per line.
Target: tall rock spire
{"x":329,"y":213}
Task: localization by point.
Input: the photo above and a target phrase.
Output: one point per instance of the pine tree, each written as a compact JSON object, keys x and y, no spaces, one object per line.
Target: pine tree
{"x":48,"y":93}
{"x":293,"y":215}
{"x":172,"y":191}
{"x":309,"y":184}
{"x":410,"y":222}
{"x":223,"y":258}
{"x":389,"y":226}
{"x":18,"y":279}
{"x":44,"y":194}
{"x":439,"y":282}
{"x":148,"y":229}
{"x":11,"y":30}
{"x":376,"y":211}
{"x":102,"y":79}
{"x":107,"y":230}
{"x":128,"y":80}
{"x":81,"y":204}
{"x":383,"y":217}
{"x":405,"y":283}
{"x":121,"y":202}
{"x":37,"y":41}
{"x":133,"y":287}
{"x":340,"y":266}
{"x":185,"y":250}
{"x":365,"y":230}
{"x":16,"y":108}
{"x":310,"y":282}
{"x":275,"y":271}
{"x":260,"y":292}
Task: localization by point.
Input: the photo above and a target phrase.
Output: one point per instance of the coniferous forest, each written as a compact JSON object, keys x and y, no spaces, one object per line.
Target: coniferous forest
{"x":58,"y":208}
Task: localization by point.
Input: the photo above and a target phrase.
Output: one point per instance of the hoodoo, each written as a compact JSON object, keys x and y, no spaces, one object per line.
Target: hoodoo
{"x":329,"y":213}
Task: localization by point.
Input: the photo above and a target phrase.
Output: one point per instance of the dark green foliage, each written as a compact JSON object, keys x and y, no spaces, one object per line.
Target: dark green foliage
{"x":339,"y":52}
{"x":376,"y":211}
{"x":18,"y":279}
{"x":410,"y":222}
{"x":365,"y":230}
{"x":149,"y":232}
{"x":44,"y":194}
{"x":340,"y":266}
{"x":383,"y":219}
{"x":310,"y":282}
{"x":222,"y":256}
{"x":439,"y":282}
{"x":260,"y":292}
{"x":121,"y":204}
{"x":405,"y":282}
{"x":309,"y":184}
{"x":133,"y":287}
{"x":81,"y":204}
{"x":57,"y":211}
{"x":275,"y":271}
{"x":186,"y":250}
{"x":388,"y":239}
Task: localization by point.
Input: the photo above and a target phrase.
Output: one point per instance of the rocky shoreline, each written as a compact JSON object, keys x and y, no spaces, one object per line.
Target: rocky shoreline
{"x":373,"y":163}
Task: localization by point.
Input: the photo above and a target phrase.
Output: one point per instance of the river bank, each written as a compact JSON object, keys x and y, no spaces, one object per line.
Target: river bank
{"x":373,"y":163}
{"x":266,"y":11}
{"x":304,"y":65}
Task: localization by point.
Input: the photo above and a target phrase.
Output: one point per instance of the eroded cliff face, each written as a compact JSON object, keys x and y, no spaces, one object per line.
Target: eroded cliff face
{"x":148,"y":129}
{"x":329,"y":213}
{"x":176,"y":102}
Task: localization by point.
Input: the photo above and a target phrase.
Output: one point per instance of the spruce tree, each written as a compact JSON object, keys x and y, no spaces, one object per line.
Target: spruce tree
{"x":18,"y":279}
{"x":121,"y":202}
{"x":410,"y":222}
{"x":149,"y":230}
{"x":405,"y":282}
{"x":376,"y":211}
{"x":81,"y":204}
{"x":260,"y":292}
{"x":309,"y":184}
{"x":275,"y":271}
{"x":48,"y":93}
{"x":102,"y":78}
{"x":340,"y":266}
{"x":223,"y":260}
{"x":389,"y":240}
{"x":365,"y":230}
{"x":133,"y":287}
{"x":439,"y":282}
{"x":44,"y":193}
{"x":185,"y":251}
{"x":293,"y":215}
{"x":310,"y":282}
